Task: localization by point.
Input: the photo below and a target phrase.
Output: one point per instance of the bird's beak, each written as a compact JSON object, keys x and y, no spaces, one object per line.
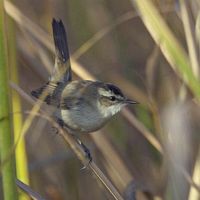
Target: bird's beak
{"x":129,"y":101}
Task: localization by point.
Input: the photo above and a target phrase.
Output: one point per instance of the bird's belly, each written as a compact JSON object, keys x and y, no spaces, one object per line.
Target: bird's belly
{"x":82,"y":122}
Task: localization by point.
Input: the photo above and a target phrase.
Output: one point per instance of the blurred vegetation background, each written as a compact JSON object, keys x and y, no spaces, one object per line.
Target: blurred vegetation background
{"x":150,"y":49}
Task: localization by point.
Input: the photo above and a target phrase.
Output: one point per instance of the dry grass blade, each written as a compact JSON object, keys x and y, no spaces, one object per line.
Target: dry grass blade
{"x":189,"y":178}
{"x":22,"y":93}
{"x":150,"y":68}
{"x":23,"y":20}
{"x":189,"y":33}
{"x":195,"y":194}
{"x":100,"y":34}
{"x":197,"y":31}
{"x":122,"y":176}
{"x":171,"y":49}
{"x":144,"y":131}
{"x":169,"y":45}
{"x":99,"y":174}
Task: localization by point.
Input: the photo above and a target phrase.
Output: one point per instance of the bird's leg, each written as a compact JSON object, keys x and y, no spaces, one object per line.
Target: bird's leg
{"x":79,"y":142}
{"x":86,"y":150}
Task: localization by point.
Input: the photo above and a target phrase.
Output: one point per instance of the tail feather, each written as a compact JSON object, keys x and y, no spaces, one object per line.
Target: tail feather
{"x":60,"y":40}
{"x":58,"y":80}
{"x":62,"y":50}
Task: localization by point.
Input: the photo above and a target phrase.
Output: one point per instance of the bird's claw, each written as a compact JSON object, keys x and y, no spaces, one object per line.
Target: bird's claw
{"x":87,"y":155}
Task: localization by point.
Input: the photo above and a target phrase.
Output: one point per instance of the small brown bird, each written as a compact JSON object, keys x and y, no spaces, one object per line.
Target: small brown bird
{"x":83,"y":106}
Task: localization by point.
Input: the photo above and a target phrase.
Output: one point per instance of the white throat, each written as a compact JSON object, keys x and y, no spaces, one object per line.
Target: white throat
{"x":107,"y":112}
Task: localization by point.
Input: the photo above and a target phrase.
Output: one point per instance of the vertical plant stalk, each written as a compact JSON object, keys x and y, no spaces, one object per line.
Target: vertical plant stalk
{"x":20,"y":153}
{"x":195,"y":194}
{"x":170,"y":47}
{"x":189,"y":35}
{"x":7,"y":170}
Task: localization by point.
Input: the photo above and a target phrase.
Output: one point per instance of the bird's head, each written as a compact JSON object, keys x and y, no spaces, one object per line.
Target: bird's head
{"x":111,"y":100}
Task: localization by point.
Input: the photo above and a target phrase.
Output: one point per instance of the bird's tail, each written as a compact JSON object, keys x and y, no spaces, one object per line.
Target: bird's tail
{"x":62,"y":69}
{"x":60,"y":40}
{"x":62,"y":61}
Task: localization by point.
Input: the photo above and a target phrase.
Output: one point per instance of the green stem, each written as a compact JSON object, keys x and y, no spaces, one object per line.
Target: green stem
{"x":20,"y":151}
{"x":7,"y":170}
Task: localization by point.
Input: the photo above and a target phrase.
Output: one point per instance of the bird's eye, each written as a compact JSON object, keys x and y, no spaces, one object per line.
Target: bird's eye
{"x":112,"y":98}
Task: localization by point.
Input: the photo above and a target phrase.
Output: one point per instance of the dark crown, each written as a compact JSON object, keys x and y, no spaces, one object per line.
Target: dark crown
{"x":114,"y":89}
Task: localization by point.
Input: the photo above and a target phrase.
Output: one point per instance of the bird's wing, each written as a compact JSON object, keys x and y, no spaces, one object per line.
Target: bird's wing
{"x":53,"y":93}
{"x":70,"y":103}
{"x":74,"y":95}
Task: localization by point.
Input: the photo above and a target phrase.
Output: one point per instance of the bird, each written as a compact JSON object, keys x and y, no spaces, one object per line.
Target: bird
{"x":82,"y":106}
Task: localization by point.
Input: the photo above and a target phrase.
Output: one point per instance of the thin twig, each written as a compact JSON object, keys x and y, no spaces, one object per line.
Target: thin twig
{"x":34,"y":195}
{"x":80,"y":153}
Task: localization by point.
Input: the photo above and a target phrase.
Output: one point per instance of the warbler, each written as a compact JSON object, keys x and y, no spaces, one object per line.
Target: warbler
{"x":82,"y":106}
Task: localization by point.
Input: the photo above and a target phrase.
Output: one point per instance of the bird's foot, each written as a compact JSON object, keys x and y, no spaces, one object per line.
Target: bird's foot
{"x":87,"y":152}
{"x":87,"y":155}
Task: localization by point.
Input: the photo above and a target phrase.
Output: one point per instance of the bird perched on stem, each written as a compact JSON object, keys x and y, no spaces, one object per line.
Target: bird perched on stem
{"x":84,"y":106}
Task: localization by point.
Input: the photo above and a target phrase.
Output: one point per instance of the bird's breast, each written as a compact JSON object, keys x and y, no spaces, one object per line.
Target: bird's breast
{"x":83,"y":120}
